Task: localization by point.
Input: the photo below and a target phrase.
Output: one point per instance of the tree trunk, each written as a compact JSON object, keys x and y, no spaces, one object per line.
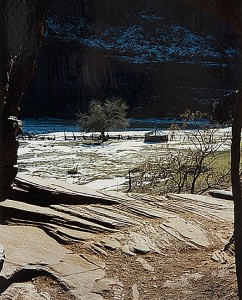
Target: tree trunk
{"x":103,"y":137}
{"x":236,"y":185}
{"x":231,"y":12}
{"x":22,"y":25}
{"x":235,"y":166}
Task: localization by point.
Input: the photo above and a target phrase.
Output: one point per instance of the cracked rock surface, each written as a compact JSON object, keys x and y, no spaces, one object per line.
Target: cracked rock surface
{"x":123,"y":250}
{"x":29,"y":248}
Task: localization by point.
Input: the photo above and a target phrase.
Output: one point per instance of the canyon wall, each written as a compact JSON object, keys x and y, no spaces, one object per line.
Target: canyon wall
{"x":160,"y":56}
{"x":21,"y":31}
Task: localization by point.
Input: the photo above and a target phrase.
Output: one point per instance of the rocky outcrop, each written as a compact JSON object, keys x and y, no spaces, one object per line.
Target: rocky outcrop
{"x":69,"y":222}
{"x":46,"y":256}
{"x":23,"y":291}
{"x":22,"y":25}
{"x":137,"y":224}
{"x":137,"y":50}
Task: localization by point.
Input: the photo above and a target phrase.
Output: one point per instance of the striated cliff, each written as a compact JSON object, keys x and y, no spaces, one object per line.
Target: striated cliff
{"x":160,"y":56}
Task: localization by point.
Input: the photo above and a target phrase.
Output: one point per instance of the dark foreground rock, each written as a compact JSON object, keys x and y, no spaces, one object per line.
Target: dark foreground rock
{"x":2,"y":256}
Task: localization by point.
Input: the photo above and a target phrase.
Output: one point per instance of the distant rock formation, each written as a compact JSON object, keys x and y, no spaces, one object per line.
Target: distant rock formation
{"x":160,"y":56}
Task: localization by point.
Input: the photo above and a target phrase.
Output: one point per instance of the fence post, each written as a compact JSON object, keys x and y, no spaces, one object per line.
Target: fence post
{"x":130,"y":182}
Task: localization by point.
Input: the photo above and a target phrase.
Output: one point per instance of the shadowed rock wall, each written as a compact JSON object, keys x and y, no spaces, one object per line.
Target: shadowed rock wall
{"x":21,"y":23}
{"x":68,"y":76}
{"x":157,"y":54}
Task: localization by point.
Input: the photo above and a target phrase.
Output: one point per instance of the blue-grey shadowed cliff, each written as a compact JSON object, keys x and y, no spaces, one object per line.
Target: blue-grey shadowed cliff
{"x":162,"y":57}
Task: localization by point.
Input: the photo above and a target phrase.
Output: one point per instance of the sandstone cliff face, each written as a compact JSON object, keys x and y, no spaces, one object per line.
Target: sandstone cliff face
{"x":21,"y":30}
{"x":160,"y":56}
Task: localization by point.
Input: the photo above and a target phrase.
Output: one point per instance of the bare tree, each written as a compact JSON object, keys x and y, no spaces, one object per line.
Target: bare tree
{"x":179,"y":171}
{"x":103,"y":117}
{"x":231,"y":12}
{"x":190,"y":168}
{"x":205,"y":141}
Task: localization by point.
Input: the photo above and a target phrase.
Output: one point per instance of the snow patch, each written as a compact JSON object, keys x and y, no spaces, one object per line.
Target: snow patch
{"x":112,"y":184}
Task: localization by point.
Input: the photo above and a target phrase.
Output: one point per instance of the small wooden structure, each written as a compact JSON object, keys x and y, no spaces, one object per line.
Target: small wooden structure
{"x":156,"y":136}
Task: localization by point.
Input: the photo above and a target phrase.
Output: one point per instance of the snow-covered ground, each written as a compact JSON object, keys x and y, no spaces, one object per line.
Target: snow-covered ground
{"x":99,"y":166}
{"x":104,"y":166}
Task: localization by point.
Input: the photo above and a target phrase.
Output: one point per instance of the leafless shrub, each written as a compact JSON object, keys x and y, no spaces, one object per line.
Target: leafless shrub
{"x":190,"y":170}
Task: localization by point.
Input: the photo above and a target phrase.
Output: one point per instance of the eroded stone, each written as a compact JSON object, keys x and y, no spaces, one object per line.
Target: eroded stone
{"x":145,"y":264}
{"x":126,"y":250}
{"x":111,"y":243}
{"x":135,"y":292}
{"x":23,"y":291}
{"x":30,"y":248}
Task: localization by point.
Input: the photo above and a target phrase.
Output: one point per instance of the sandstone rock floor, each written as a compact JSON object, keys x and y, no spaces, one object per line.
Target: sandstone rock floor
{"x":122,"y":246}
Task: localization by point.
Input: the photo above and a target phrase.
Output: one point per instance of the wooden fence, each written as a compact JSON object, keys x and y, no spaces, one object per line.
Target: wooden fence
{"x":77,"y":136}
